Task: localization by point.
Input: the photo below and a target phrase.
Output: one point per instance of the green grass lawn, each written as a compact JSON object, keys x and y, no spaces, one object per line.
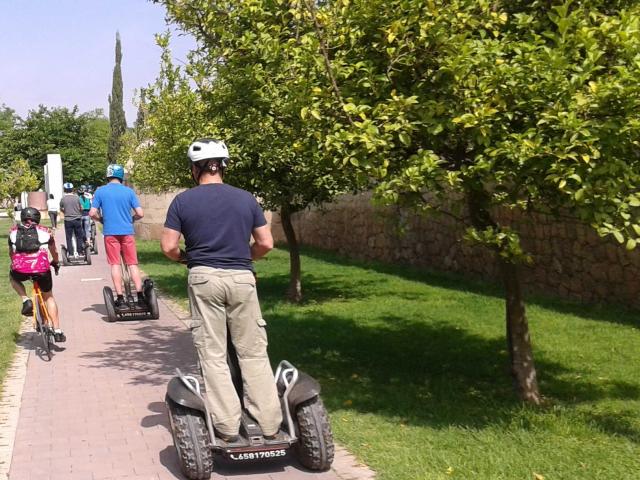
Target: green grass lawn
{"x":10,"y":317}
{"x":414,"y":371}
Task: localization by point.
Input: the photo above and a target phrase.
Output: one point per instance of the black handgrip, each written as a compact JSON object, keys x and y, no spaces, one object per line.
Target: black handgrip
{"x":56,"y":267}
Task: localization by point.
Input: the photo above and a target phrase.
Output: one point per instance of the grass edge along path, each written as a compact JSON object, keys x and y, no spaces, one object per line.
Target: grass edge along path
{"x":413,"y":369}
{"x":10,"y":316}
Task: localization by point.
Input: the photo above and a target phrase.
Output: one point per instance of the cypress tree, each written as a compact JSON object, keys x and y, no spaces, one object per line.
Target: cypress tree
{"x":117,"y":120}
{"x":142,"y":114}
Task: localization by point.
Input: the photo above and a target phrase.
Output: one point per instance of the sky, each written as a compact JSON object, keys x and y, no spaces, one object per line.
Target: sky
{"x":62,"y":52}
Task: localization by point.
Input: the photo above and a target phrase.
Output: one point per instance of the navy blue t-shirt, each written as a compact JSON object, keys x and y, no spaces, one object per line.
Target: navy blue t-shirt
{"x":216,"y":221}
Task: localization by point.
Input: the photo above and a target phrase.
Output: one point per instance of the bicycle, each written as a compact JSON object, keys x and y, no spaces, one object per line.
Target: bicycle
{"x":41,"y":318}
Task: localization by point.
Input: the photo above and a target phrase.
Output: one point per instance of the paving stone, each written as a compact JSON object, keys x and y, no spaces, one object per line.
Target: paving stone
{"x":104,"y":391}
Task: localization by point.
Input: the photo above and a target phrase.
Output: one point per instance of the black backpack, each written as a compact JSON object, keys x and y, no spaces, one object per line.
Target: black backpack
{"x":27,"y":240}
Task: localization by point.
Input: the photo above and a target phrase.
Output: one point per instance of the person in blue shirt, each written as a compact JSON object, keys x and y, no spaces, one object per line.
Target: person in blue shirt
{"x":112,"y":205}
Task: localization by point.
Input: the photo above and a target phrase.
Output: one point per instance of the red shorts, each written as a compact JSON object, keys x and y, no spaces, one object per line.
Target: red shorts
{"x":114,"y":244}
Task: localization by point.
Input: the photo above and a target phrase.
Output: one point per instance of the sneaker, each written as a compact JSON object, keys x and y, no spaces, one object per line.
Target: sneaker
{"x":59,"y":336}
{"x":120,"y":303}
{"x":27,"y":308}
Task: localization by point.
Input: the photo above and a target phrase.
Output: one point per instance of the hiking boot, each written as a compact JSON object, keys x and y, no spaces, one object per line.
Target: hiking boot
{"x":27,"y":308}
{"x":59,"y":337}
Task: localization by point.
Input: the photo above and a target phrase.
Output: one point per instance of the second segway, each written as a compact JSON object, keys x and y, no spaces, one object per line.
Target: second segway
{"x":131,"y":310}
{"x":75,"y":259}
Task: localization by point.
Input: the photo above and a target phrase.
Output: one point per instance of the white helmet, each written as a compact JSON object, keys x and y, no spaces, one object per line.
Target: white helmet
{"x":208,"y":149}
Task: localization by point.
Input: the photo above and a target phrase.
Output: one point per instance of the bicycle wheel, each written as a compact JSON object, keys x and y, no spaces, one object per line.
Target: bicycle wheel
{"x":44,"y":331}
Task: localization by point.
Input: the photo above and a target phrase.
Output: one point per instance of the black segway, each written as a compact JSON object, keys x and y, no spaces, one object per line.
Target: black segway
{"x":305,"y":427}
{"x":132,"y":311}
{"x":75,"y":259}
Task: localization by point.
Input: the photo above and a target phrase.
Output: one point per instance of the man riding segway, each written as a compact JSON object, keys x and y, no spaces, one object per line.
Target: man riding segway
{"x":240,"y":414}
{"x":116,"y":201}
{"x":217,"y":222}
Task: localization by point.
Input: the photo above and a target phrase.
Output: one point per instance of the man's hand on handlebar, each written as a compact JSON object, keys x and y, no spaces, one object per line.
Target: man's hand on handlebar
{"x":183,"y":257}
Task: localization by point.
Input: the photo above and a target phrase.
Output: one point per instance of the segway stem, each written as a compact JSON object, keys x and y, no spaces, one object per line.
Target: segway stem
{"x":284,"y":369}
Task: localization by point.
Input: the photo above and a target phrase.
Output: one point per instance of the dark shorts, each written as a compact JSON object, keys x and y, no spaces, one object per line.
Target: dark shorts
{"x":44,"y":279}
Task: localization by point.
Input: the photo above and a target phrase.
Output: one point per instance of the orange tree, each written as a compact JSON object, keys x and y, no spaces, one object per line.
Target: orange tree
{"x":247,"y":83}
{"x":530,"y":105}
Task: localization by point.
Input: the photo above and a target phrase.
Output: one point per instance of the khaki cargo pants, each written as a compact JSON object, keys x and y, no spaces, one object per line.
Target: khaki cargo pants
{"x":221,"y":299}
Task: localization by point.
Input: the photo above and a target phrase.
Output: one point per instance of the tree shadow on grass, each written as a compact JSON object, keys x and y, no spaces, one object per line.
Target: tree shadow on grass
{"x":623,"y":424}
{"x":612,"y":313}
{"x":421,"y":373}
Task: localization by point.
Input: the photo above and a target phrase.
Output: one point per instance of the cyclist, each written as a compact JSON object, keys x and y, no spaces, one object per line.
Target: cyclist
{"x":53,"y":207}
{"x":116,"y":201}
{"x":217,"y":221}
{"x":85,"y":204}
{"x":70,"y":206}
{"x":29,"y":246}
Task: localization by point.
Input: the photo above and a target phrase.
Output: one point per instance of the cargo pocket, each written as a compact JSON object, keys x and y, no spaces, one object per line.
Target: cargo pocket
{"x":261,"y":342}
{"x":253,"y":341}
{"x":197,"y":332}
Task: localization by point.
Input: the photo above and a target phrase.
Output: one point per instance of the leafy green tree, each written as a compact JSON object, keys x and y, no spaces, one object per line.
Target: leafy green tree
{"x":80,"y":139}
{"x":117,"y":118}
{"x":8,"y":119}
{"x":504,"y":105}
{"x":16,"y":178}
{"x":528,"y":105}
{"x":253,"y":100}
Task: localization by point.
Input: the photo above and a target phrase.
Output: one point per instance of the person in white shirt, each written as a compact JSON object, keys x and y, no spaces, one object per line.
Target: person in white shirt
{"x":53,"y":208}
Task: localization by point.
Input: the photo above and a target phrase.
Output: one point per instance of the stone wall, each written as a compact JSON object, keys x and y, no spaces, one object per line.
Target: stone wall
{"x":155,"y":208}
{"x":570,"y":259}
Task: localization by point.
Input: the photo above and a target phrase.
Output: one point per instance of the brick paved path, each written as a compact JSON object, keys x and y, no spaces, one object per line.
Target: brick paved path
{"x":96,"y":410}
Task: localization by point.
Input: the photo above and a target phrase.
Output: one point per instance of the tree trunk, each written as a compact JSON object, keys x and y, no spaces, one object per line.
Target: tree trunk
{"x":523,"y":370}
{"x":294,"y":292}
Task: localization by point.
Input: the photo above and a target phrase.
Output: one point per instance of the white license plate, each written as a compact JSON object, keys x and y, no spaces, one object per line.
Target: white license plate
{"x":257,"y":455}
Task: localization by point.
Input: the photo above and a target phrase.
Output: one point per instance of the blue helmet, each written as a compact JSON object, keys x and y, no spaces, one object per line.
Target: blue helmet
{"x":115,"y":171}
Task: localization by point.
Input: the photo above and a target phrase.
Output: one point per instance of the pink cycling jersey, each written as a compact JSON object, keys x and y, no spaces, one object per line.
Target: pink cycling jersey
{"x":35,"y":262}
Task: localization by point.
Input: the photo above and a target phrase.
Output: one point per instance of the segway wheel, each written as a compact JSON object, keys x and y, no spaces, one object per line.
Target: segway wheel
{"x":152,"y":301}
{"x":107,"y":293}
{"x":192,"y":442}
{"x":315,"y":448}
{"x":94,"y":247}
{"x":87,"y":255}
{"x":65,"y":256}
